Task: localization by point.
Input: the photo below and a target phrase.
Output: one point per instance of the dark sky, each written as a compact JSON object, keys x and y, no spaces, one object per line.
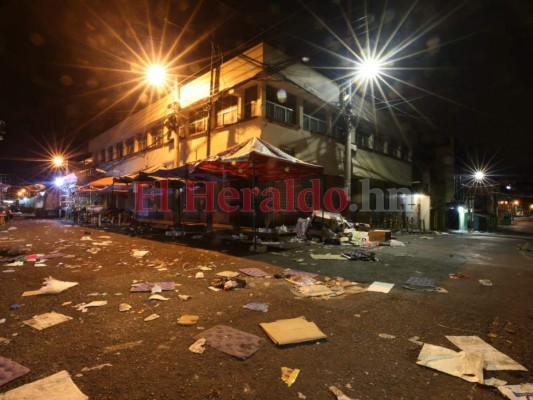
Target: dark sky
{"x":69,"y":67}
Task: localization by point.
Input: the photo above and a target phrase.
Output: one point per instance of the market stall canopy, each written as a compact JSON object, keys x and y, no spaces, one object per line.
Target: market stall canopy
{"x":258,"y":158}
{"x":149,"y":174}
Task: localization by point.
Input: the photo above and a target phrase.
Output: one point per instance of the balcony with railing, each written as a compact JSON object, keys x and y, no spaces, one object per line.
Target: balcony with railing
{"x":280,"y":113}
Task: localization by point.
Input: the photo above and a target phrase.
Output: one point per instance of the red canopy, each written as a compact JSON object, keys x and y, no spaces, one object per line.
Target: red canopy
{"x":258,"y":158}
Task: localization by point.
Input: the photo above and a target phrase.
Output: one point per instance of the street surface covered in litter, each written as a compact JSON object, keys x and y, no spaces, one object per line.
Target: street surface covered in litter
{"x":112,"y":315}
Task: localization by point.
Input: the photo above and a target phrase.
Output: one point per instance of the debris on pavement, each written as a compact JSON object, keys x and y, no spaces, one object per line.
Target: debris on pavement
{"x":122,"y":346}
{"x":464,"y":365}
{"x":188,"y":320}
{"x":360,"y":255}
{"x":493,"y":359}
{"x":419,"y":283}
{"x":459,"y":276}
{"x":381,"y":287}
{"x":260,"y":307}
{"x":4,"y":340}
{"x":46,"y":320}
{"x":148,"y":286}
{"x":255,"y":272}
{"x":96,"y":368}
{"x":139,"y":253}
{"x":151,"y":317}
{"x":198,"y":346}
{"x":158,"y":297}
{"x":51,"y":286}
{"x":517,"y":392}
{"x":293,"y":330}
{"x":124,"y":307}
{"x":199,"y":275}
{"x":232,"y":341}
{"x":289,"y":375}
{"x":386,"y":336}
{"x":295,"y":272}
{"x":227,"y":274}
{"x":11,"y":370}
{"x":494,"y":382}
{"x":184,"y":297}
{"x":315,"y":291}
{"x":58,"y":386}
{"x":338,"y":393}
{"x":416,"y":340}
{"x":485,"y":282}
{"x":84,"y":306}
{"x":228,"y":284}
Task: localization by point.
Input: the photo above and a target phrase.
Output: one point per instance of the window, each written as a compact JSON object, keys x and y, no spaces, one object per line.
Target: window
{"x":315,"y":118}
{"x":198,"y":121}
{"x":110,"y":153}
{"x":158,"y":135}
{"x":250,"y":102}
{"x":227,"y":110}
{"x":379,"y":144}
{"x":362,"y":140}
{"x":119,"y":150}
{"x":128,"y":146}
{"x":141,"y":141}
{"x":404,"y":153}
{"x":102,"y":156}
{"x":280,"y":106}
{"x":393,"y":148}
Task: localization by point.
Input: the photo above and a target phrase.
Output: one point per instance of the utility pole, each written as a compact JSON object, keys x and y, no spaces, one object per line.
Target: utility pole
{"x":348,"y":113}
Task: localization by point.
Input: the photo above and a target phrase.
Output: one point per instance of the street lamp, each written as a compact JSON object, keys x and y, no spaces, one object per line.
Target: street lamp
{"x":366,"y":70}
{"x":479,"y":176}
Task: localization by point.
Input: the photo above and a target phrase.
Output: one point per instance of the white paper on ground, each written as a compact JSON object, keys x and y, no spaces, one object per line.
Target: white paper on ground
{"x":51,"y":286}
{"x":464,"y":365}
{"x":46,"y":320}
{"x":517,"y":392}
{"x":381,"y":287}
{"x":58,"y":386}
{"x":494,"y":360}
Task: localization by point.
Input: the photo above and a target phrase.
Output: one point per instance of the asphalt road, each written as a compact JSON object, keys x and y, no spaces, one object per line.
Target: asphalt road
{"x":353,"y":357}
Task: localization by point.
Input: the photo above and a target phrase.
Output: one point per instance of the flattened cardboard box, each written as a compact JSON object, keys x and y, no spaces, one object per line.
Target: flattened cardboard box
{"x":290,"y":331}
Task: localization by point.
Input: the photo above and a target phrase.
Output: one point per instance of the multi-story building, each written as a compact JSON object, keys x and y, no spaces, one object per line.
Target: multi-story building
{"x":261,"y":93}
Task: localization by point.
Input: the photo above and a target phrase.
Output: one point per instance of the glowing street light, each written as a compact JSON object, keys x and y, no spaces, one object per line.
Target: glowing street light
{"x":368,"y":69}
{"x":479,"y":175}
{"x":58,"y":161}
{"x":156,"y":75}
{"x":59,"y":181}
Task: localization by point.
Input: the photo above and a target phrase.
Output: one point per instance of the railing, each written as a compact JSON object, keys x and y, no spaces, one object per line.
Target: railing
{"x":313,"y":124}
{"x":280,"y":113}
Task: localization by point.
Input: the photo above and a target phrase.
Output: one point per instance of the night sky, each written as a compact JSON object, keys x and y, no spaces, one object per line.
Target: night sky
{"x":69,"y":68}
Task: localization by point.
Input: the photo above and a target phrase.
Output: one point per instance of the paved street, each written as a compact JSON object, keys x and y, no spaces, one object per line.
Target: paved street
{"x":151,"y":359}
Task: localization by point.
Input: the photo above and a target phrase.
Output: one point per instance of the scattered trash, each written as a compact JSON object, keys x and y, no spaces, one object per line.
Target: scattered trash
{"x":198,"y":346}
{"x":289,"y":375}
{"x":494,"y":360}
{"x":56,"y":386}
{"x":228,"y":284}
{"x":4,"y":340}
{"x":396,"y":243}
{"x":418,"y":283}
{"x":124,"y":307}
{"x":122,"y":346}
{"x":327,"y":257}
{"x":2,"y":320}
{"x":83,"y":306}
{"x":260,"y":307}
{"x":381,"y":287}
{"x":360,"y":255}
{"x":315,"y":291}
{"x":184,"y":297}
{"x":158,"y":297}
{"x":98,"y":367}
{"x":14,"y":307}
{"x":517,"y":392}
{"x":15,"y":264}
{"x":140,"y":253}
{"x":232,"y":341}
{"x":255,"y":272}
{"x":11,"y":370}
{"x":302,"y":396}
{"x":463,"y":365}
{"x":494,"y":382}
{"x":93,"y":250}
{"x":227,"y":274}
{"x":40,"y":265}
{"x":46,"y":320}
{"x":427,"y":237}
{"x":294,"y":272}
{"x":294,"y":330}
{"x":148,"y":286}
{"x":204,"y":268}
{"x":459,"y":276}
{"x":188,"y":320}
{"x":415,"y":340}
{"x":151,"y":317}
{"x":199,"y":275}
{"x":485,"y":282}
{"x":386,"y":336}
{"x":51,"y":286}
{"x":337,"y":392}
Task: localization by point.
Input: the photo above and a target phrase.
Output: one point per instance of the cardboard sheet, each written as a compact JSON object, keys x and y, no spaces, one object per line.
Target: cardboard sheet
{"x":10,"y":370}
{"x":46,"y":320}
{"x":58,"y":386}
{"x":327,"y":256}
{"x":232,"y":341}
{"x":467,"y":366}
{"x":381,"y":287}
{"x":255,"y":272}
{"x":294,"y":330}
{"x":494,"y":360}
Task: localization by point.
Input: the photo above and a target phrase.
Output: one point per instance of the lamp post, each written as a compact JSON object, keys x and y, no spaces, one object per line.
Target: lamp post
{"x":156,"y":75}
{"x":367,"y":70}
{"x":479,"y":177}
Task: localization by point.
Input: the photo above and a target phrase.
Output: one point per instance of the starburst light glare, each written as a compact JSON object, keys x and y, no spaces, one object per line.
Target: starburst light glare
{"x":156,"y":75}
